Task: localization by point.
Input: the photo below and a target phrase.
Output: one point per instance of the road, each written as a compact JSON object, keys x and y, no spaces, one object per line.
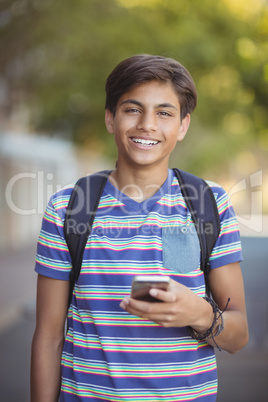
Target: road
{"x":242,"y":377}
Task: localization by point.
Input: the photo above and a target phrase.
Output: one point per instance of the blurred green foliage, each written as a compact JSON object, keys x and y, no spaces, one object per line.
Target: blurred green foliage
{"x":56,"y":55}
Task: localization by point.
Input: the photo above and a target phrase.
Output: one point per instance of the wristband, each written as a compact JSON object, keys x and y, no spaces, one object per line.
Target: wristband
{"x":217,"y":325}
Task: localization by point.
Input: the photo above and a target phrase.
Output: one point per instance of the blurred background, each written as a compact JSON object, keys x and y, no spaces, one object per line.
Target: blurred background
{"x":54,"y":60}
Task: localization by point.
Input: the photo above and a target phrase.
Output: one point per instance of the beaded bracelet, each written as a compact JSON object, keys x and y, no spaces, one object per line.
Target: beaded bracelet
{"x":217,"y":325}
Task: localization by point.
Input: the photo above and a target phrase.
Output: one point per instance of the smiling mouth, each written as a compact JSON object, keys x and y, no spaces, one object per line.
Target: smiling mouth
{"x":147,"y":143}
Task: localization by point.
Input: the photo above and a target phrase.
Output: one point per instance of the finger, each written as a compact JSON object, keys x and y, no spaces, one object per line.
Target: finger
{"x":128,"y":303}
{"x":143,"y":308}
{"x":157,"y":312}
{"x":163,"y":295}
{"x":124,"y":303}
{"x":158,"y":318}
{"x":163,"y":319}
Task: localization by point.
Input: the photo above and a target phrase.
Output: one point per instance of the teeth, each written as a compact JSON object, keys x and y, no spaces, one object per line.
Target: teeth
{"x":144,"y":142}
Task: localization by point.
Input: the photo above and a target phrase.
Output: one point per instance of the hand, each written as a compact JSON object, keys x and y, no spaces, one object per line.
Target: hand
{"x":178,"y":307}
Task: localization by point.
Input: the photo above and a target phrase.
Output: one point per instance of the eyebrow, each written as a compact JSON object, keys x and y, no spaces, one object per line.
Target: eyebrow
{"x":135,"y":102}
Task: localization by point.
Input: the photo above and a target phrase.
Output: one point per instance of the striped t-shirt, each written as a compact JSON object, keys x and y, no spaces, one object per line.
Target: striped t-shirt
{"x":108,"y":354}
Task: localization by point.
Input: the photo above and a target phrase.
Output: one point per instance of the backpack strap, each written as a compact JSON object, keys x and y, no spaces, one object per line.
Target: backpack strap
{"x":79,"y":218}
{"x":84,"y":202}
{"x":203,"y":208}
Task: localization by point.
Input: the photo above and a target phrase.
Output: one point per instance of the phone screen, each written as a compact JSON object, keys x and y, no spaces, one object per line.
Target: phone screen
{"x":141,"y":285}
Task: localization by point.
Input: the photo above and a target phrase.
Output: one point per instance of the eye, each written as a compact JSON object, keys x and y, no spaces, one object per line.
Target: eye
{"x":132,"y":110}
{"x":163,"y":113}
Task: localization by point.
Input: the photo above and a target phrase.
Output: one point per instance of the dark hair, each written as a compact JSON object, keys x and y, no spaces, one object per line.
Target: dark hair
{"x":142,"y":68}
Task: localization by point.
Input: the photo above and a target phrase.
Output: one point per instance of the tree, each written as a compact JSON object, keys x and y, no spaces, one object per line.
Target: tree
{"x":59,"y":53}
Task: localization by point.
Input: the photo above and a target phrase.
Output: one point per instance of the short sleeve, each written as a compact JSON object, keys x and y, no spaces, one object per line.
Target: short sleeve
{"x":227,"y":248}
{"x":53,"y":258}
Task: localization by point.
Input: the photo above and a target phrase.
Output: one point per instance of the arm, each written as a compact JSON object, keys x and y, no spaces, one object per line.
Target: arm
{"x":52,"y":300}
{"x":227,"y":282}
{"x":182,"y":307}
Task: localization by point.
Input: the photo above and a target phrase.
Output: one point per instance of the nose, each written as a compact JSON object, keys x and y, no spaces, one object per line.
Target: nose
{"x":147,"y":122}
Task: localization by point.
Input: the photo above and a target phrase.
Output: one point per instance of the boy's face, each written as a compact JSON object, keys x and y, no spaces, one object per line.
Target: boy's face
{"x":147,"y":125}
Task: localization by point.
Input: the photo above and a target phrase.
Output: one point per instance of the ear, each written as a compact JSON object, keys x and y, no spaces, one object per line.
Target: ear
{"x":184,"y":127}
{"x":109,"y":121}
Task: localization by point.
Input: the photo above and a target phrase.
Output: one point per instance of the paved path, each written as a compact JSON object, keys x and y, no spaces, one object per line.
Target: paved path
{"x":17,"y":284}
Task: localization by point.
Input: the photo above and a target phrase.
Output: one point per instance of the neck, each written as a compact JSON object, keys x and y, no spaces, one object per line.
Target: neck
{"x":138,"y":183}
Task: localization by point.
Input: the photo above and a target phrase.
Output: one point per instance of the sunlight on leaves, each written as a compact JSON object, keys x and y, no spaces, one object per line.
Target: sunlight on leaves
{"x":244,"y":9}
{"x":246,"y":48}
{"x":236,"y":123}
{"x":221,"y":83}
{"x":246,"y":96}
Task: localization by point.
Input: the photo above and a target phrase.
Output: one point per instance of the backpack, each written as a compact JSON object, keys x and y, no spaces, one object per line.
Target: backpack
{"x":83,"y":204}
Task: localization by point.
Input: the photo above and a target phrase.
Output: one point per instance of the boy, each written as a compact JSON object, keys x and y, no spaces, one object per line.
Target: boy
{"x":118,"y":348}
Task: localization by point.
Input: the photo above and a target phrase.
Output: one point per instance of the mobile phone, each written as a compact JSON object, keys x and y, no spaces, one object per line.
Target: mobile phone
{"x":141,"y":284}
